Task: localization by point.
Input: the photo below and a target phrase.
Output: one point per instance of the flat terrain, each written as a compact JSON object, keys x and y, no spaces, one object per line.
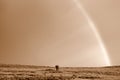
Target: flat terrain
{"x":29,"y":72}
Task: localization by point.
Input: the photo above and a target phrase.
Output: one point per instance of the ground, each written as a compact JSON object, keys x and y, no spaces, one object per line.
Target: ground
{"x":30,"y":72}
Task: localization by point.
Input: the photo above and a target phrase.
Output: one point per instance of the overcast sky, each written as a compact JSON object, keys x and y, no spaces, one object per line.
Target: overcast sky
{"x":50,"y":32}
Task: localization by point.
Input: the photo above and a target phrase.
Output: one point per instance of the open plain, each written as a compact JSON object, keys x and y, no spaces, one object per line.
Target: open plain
{"x":31,"y":72}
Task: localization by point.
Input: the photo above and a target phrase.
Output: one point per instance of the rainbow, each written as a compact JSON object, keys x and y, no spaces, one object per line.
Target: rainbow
{"x":97,"y":35}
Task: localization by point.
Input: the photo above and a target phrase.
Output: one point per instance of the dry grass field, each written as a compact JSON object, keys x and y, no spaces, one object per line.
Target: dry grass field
{"x":29,"y":72}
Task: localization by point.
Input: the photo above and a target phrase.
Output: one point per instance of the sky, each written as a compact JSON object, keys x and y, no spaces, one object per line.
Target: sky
{"x":59,"y":32}
{"x":106,"y":16}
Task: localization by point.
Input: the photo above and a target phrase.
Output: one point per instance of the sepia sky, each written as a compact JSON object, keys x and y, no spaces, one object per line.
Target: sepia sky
{"x":106,"y":16}
{"x":63,"y":32}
